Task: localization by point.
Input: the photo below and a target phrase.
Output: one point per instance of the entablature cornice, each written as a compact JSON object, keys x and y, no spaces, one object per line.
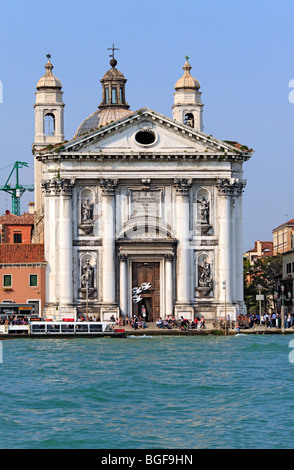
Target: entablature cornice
{"x":142,"y":156}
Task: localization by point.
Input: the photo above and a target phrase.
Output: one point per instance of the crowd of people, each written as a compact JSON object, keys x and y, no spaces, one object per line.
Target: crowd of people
{"x":184,"y":324}
{"x":138,"y":322}
{"x":13,"y":320}
{"x":91,"y":319}
{"x":269,"y":320}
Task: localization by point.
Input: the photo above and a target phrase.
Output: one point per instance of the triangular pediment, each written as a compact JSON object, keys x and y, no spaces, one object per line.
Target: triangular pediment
{"x":169,"y":138}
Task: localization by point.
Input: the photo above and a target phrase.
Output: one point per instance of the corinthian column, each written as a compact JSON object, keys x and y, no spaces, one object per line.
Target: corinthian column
{"x":123,"y":284}
{"x":183,"y":249}
{"x":230,"y":235}
{"x":108,"y":239}
{"x":58,"y":246}
{"x":169,"y":284}
{"x":65,"y":243}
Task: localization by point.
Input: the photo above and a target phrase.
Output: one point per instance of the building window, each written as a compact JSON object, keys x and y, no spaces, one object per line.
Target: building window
{"x":107,"y":95}
{"x":145,"y":137}
{"x":113,"y":95}
{"x":33,"y":280}
{"x":189,"y":119}
{"x":17,"y":238}
{"x":288,"y":268}
{"x":7,"y":280}
{"x":49,"y":124}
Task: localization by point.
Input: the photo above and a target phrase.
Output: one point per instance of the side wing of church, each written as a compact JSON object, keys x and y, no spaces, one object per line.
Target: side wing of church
{"x":140,"y":213}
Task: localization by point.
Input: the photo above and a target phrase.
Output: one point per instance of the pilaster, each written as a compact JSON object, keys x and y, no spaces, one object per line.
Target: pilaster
{"x":123,"y":284}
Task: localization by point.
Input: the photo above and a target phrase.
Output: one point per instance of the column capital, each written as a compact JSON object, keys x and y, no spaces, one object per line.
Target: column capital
{"x":122,"y":256}
{"x":169,"y":257}
{"x":108,"y":186}
{"x":182,"y":186}
{"x":58,"y":186}
{"x":230,"y":186}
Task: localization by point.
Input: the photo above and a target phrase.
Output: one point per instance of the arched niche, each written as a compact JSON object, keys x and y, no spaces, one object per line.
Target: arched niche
{"x":49,"y":123}
{"x":203,"y":213}
{"x":88,"y":270}
{"x":86,"y":209}
{"x":204,"y":274}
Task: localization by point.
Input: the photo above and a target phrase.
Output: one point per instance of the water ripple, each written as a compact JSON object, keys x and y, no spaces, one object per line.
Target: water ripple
{"x":147,"y":392}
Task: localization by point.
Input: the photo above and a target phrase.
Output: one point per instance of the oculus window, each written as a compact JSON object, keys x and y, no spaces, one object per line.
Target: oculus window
{"x":145,"y":137}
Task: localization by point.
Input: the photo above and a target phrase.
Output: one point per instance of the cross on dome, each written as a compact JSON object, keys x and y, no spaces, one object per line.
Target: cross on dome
{"x":112,"y":49}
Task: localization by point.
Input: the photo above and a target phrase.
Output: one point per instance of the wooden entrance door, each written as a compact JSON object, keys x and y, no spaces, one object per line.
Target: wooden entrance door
{"x":147,"y":272}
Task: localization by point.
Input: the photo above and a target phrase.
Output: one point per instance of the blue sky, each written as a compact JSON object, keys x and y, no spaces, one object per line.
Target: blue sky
{"x":241,"y":52}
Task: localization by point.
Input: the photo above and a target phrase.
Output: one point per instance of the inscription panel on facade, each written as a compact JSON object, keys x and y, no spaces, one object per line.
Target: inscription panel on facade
{"x":146,"y":202}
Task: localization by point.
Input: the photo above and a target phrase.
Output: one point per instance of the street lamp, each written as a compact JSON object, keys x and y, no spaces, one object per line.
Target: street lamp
{"x":224,"y":287}
{"x":282,"y":310}
{"x":260,"y":298}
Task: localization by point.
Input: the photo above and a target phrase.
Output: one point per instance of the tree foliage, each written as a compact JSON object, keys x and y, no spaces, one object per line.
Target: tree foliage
{"x":264,"y":273}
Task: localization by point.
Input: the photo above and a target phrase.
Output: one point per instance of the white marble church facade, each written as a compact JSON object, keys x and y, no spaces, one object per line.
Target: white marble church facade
{"x":138,"y":200}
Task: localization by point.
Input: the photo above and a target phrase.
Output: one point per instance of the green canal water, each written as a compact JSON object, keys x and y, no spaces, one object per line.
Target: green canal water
{"x":147,"y":393}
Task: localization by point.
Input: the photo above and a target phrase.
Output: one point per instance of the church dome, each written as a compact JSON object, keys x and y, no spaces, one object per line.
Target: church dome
{"x":187,"y":81}
{"x":49,"y":80}
{"x":113,"y":106}
{"x":100,"y":118}
{"x":113,"y":73}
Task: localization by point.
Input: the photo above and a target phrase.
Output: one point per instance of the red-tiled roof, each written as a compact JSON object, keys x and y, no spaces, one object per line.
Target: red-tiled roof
{"x":21,"y":253}
{"x":289,"y":223}
{"x":263,"y":246}
{"x":11,"y":219}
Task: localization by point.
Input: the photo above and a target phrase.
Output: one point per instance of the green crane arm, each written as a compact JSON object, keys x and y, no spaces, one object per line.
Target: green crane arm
{"x":17,"y":190}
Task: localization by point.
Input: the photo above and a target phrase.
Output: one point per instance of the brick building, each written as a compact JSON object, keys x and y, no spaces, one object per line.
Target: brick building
{"x":283,"y":237}
{"x":22,"y":266}
{"x":16,"y":228}
{"x":261,"y":249}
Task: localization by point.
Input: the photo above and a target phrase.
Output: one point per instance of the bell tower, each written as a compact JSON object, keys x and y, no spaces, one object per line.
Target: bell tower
{"x":187,"y":107}
{"x":49,"y":109}
{"x":49,"y":130}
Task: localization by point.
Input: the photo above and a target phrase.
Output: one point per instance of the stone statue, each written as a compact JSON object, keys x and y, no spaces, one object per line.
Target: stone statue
{"x":87,"y":211}
{"x":88,"y":276}
{"x":204,"y":274}
{"x":204,"y":210}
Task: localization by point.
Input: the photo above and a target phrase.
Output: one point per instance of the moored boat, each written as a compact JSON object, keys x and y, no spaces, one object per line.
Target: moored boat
{"x":63,"y":329}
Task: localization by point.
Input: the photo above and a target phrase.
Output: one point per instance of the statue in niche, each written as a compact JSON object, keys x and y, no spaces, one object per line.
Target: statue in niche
{"x":204,"y":274}
{"x":87,"y":211}
{"x":87,"y":279}
{"x":204,"y":210}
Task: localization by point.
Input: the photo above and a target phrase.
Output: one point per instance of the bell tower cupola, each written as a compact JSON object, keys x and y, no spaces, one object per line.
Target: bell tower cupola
{"x":187,"y":107}
{"x":49,"y":109}
{"x":113,"y":86}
